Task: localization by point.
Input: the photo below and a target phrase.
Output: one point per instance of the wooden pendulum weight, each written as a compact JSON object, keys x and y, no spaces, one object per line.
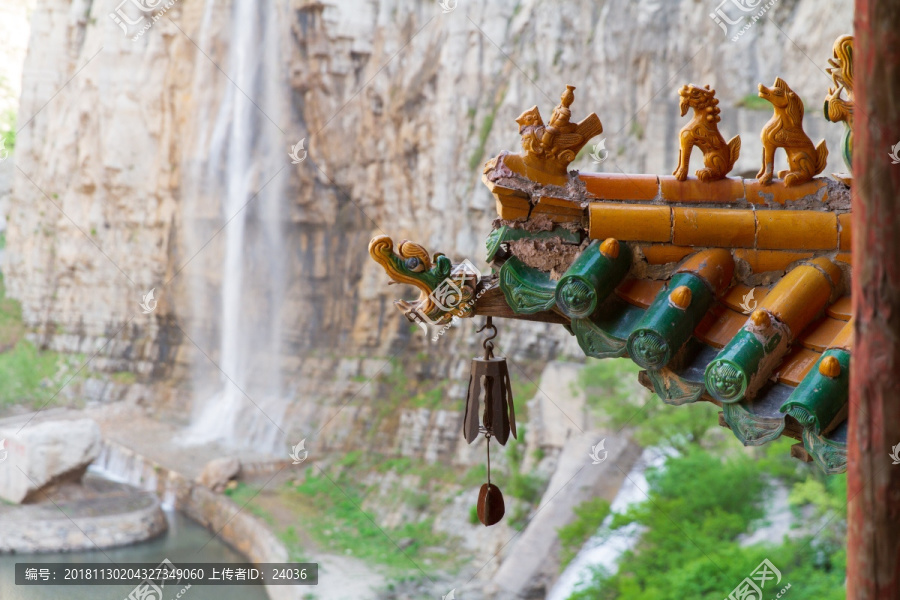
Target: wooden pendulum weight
{"x":491,"y":376}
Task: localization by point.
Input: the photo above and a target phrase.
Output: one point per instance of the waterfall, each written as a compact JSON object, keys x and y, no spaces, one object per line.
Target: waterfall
{"x":118,"y":463}
{"x":241,"y":403}
{"x":605,"y":548}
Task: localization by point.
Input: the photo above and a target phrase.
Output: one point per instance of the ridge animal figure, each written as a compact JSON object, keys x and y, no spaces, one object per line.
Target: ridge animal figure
{"x":785,"y":130}
{"x":550,"y":148}
{"x":703,"y":131}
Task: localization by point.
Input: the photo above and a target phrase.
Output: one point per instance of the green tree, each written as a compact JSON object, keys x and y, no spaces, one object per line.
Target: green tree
{"x":697,"y":506}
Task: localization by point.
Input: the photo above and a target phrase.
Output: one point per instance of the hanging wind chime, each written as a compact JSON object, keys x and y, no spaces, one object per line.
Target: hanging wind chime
{"x":490,"y":375}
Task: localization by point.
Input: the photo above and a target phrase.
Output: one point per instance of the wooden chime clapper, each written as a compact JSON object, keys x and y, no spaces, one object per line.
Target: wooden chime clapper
{"x":491,"y":376}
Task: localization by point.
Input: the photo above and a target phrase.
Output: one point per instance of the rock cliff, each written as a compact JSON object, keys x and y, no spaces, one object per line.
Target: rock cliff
{"x":400,"y":104}
{"x":120,"y":185}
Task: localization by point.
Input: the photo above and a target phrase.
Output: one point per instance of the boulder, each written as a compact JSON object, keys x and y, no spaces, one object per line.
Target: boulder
{"x":218,"y":472}
{"x":44,"y":454}
{"x":98,"y":514}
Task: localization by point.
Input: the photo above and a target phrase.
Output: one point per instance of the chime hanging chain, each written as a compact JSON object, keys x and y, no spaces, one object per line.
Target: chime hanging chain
{"x":488,"y":436}
{"x":488,"y":418}
{"x":488,"y":354}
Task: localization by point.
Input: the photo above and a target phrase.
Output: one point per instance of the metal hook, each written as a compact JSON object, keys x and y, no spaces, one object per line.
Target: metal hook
{"x":488,"y":344}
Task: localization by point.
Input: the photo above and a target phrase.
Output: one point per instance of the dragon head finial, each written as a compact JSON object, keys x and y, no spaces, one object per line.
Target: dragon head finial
{"x":445,"y":289}
{"x":837,"y":108}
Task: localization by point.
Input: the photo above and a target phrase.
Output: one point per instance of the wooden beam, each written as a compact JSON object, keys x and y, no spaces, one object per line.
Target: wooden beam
{"x":492,"y":303}
{"x":873,"y":483}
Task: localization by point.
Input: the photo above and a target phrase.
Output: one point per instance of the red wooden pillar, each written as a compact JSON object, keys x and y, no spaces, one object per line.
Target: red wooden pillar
{"x":873,"y":545}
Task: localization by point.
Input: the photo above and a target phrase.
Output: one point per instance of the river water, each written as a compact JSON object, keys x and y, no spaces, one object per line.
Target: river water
{"x":181,"y":544}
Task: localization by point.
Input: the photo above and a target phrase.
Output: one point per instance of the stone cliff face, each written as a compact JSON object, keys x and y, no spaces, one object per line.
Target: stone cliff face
{"x":118,"y":190}
{"x":399,"y":103}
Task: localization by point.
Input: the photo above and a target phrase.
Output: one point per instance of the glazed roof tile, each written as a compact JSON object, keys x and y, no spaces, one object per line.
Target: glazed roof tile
{"x":726,"y":290}
{"x":781,"y":243}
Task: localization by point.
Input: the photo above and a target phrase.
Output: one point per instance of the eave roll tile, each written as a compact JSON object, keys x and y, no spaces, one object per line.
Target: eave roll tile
{"x":824,"y":392}
{"x":747,"y":361}
{"x":592,"y":277}
{"x":677,"y":309}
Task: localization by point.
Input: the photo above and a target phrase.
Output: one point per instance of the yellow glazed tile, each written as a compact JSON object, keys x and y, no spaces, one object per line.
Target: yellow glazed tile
{"x":735,"y":296}
{"x":661,"y":254}
{"x":618,"y":186}
{"x":844,"y":338}
{"x":511,"y":211}
{"x":559,"y":210}
{"x":729,"y":228}
{"x":842,"y":309}
{"x":799,"y":297}
{"x":714,"y":265}
{"x":796,"y":365}
{"x":778,"y":192}
{"x":630,"y":222}
{"x":762,"y":261}
{"x":639,"y":292}
{"x":693,"y":190}
{"x":560,"y":205}
{"x":846,"y":222}
{"x":819,"y":336}
{"x":829,"y":268}
{"x":796,"y":230}
{"x":496,"y":188}
{"x":719,"y":325}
